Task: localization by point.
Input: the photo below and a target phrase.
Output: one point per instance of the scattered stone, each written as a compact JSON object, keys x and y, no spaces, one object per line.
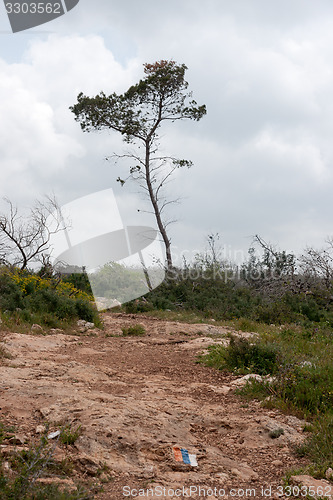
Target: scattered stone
{"x":56,"y":331}
{"x":88,"y":464}
{"x":84,"y":325}
{"x":9,"y":450}
{"x":104,"y":477}
{"x":318,"y":488}
{"x":36,"y":329}
{"x":277,"y":463}
{"x":18,"y":439}
{"x":40,"y":429}
{"x":221,"y":476}
{"x":245,"y":474}
{"x":240,"y":382}
{"x":329,"y":474}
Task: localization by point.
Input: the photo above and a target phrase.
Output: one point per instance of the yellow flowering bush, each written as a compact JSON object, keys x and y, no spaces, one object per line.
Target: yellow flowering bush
{"x":31,"y":283}
{"x":34,"y":299}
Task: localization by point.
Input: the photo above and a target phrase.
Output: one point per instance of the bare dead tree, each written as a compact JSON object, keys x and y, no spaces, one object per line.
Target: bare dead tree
{"x":273,"y":273}
{"x":318,"y":264}
{"x":25,"y":237}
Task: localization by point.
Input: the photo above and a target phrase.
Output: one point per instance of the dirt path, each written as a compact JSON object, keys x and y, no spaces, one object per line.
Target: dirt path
{"x":137,"y":397}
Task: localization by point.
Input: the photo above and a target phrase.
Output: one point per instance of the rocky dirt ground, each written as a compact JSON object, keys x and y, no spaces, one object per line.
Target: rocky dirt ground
{"x":136,"y":398}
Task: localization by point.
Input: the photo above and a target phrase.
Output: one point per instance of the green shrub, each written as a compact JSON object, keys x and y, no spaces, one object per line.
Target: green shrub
{"x":276,"y":433}
{"x":257,"y":358}
{"x":135,"y":330}
{"x":139,"y":306}
{"x":11,"y":296}
{"x":85,"y":310}
{"x":33,"y":299}
{"x":69,"y":435}
{"x":242,"y":356}
{"x":79,"y":280}
{"x":27,"y":466}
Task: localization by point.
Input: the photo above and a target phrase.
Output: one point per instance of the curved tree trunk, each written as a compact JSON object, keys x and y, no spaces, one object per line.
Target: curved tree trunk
{"x":157,"y":212}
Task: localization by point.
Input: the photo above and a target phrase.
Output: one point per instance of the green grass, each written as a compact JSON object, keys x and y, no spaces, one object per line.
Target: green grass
{"x":318,"y":447}
{"x":300,"y":360}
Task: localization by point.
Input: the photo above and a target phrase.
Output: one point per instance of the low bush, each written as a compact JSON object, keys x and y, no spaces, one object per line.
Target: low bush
{"x":26,"y":467}
{"x":241,"y":356}
{"x":135,"y":330}
{"x":50,"y":302}
{"x":69,"y":435}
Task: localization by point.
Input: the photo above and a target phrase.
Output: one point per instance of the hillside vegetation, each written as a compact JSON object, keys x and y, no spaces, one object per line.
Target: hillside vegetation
{"x":28,"y":298}
{"x":288,"y":302}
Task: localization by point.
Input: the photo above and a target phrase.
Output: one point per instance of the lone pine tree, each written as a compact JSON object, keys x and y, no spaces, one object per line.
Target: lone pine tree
{"x":138,"y":114}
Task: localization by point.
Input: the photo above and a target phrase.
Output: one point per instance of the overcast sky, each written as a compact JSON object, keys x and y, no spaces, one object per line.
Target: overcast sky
{"x":263,"y":155}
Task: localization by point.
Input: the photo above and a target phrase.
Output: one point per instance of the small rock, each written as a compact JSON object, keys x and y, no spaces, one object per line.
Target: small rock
{"x":18,"y":439}
{"x":59,"y":455}
{"x":56,"y":331}
{"x":321,"y":488}
{"x":6,"y":466}
{"x":329,"y":473}
{"x":40,"y":429}
{"x":240,"y":382}
{"x":245,"y":474}
{"x":88,"y":464}
{"x":84,"y":325}
{"x":36,"y":328}
{"x":277,"y":463}
{"x":222,"y":476}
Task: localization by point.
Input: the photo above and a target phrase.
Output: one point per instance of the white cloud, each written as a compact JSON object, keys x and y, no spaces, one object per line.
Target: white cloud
{"x":263,"y":154}
{"x":39,"y":138}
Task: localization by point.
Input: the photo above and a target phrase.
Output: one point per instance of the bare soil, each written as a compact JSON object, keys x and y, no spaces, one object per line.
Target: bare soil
{"x":138,"y":397}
